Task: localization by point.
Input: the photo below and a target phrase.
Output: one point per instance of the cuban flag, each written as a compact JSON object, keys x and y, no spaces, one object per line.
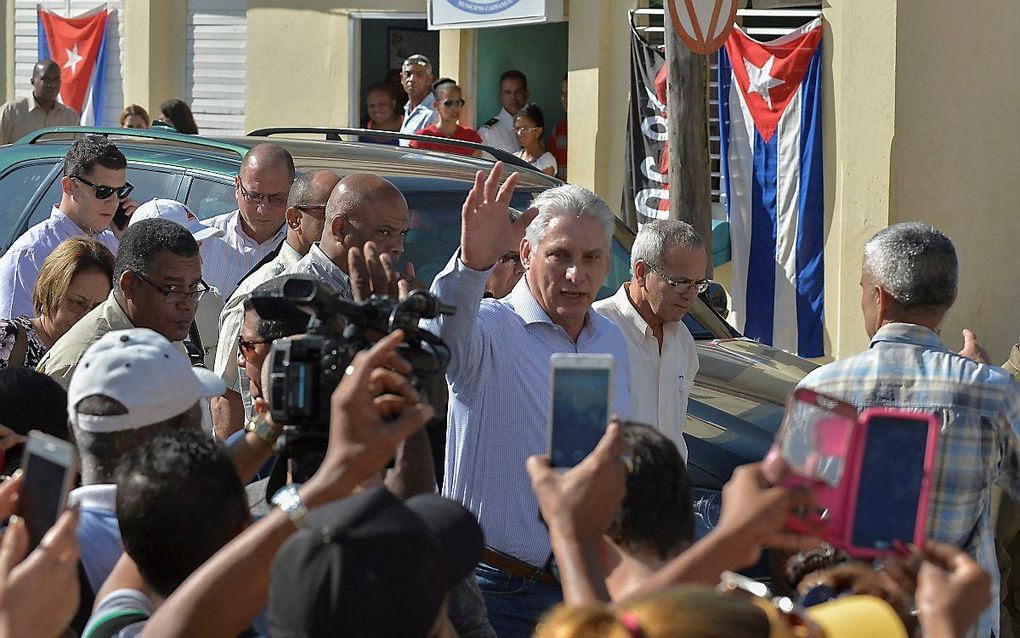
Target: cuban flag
{"x":78,"y":45}
{"x":771,"y":128}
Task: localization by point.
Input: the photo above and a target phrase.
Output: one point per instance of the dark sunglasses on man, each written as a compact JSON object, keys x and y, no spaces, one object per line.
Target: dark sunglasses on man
{"x":104,"y":192}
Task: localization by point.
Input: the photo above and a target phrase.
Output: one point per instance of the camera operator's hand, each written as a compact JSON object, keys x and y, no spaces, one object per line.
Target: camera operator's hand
{"x":25,"y":578}
{"x":374,"y":273}
{"x":372,"y":410}
{"x":486,"y":227}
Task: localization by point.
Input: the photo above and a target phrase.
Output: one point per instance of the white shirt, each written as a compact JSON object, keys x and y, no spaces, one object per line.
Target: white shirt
{"x":226,"y":259}
{"x":419,"y":117}
{"x":500,"y":133}
{"x":19,"y":267}
{"x":660,"y":383}
{"x":544,"y":161}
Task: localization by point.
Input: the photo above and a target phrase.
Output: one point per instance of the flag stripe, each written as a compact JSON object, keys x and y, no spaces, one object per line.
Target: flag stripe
{"x":810,"y":238}
{"x":44,"y":40}
{"x":784,"y":334}
{"x":761,"y":260}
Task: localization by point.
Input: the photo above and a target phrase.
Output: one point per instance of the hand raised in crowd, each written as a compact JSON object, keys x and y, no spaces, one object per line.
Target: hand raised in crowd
{"x":8,"y":439}
{"x":486,"y":226}
{"x":374,"y":273}
{"x":373,"y":409}
{"x":25,"y":609}
{"x":972,"y":348}
{"x":578,"y":506}
{"x":952,"y":591}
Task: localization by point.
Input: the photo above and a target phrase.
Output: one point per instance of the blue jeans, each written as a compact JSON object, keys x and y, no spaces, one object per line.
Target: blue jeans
{"x":514,"y":603}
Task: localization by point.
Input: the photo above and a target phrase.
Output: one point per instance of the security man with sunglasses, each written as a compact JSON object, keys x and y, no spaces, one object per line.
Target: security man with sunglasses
{"x":668,"y":261}
{"x":93,"y":186}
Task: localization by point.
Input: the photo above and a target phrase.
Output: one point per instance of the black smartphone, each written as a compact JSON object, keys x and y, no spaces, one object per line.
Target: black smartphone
{"x":121,"y":218}
{"x":49,"y":468}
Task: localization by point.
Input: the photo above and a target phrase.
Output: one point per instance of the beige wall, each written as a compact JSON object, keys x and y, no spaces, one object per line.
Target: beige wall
{"x":154,"y":49}
{"x":302,"y":77}
{"x":7,"y":35}
{"x":921,"y":124}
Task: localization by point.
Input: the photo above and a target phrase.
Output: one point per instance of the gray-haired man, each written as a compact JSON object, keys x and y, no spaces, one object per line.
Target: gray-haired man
{"x":668,"y":261}
{"x":416,"y":78}
{"x":908,"y":283}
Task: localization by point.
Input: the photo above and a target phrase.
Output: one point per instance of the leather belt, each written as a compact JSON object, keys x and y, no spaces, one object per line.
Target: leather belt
{"x":507,"y":563}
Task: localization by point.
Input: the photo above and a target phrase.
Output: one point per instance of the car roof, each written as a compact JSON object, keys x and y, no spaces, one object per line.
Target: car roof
{"x":222,"y":155}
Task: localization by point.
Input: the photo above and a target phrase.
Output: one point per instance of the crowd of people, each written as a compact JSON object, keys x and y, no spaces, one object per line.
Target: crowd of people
{"x":198,"y":513}
{"x":433,"y":107}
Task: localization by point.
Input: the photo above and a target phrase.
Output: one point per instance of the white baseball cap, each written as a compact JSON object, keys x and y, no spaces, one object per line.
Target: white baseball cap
{"x":143,"y":371}
{"x":176,"y":212}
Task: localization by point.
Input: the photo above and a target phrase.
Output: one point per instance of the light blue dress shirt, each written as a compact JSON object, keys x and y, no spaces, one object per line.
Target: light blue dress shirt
{"x":19,"y":267}
{"x":419,"y":117}
{"x":499,"y":400}
{"x":98,"y":531}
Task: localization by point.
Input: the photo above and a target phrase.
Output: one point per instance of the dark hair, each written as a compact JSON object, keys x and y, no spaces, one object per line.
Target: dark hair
{"x":513,"y":74}
{"x":658,"y":511}
{"x":32,"y":401}
{"x":534,"y":113}
{"x":89,"y":150}
{"x":145,"y":240}
{"x":134,"y":109}
{"x":102,"y":452}
{"x":294,"y":324}
{"x":273,"y":155}
{"x":179,"y":500}
{"x":179,"y":114}
{"x":385,"y":88}
{"x":441,"y":81}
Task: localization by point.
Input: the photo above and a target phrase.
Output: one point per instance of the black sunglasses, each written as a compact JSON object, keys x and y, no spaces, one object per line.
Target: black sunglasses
{"x":453,"y":103}
{"x":104,"y":192}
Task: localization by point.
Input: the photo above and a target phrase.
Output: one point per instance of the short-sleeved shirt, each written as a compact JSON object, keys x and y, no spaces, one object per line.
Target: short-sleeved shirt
{"x":18,"y":118}
{"x":98,"y":531}
{"x":20,"y":265}
{"x":227,"y":259}
{"x":544,"y":161}
{"x":462,"y":133}
{"x":499,"y":132}
{"x":419,"y":117}
{"x":35,"y":349}
{"x":117,"y":604}
{"x":317,"y":263}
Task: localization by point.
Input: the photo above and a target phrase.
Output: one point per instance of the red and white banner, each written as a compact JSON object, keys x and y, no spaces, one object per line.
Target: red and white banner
{"x":78,"y":46}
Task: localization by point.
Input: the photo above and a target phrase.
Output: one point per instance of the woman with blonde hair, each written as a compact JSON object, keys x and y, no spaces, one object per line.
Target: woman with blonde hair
{"x":74,"y":279}
{"x":134,"y":116}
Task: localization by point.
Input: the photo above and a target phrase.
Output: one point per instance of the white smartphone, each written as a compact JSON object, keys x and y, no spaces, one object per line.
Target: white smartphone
{"x":580,"y":403}
{"x":50,"y":467}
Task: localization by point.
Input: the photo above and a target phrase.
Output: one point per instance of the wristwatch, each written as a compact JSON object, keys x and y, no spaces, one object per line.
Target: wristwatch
{"x":289,"y":501}
{"x":259,"y":425}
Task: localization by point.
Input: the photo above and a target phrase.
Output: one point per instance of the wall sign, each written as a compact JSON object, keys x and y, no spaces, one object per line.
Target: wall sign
{"x":473,"y":14}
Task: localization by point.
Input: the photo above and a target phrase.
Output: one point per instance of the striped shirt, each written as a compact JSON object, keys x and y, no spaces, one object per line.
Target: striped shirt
{"x":19,"y":267}
{"x":319,"y":264}
{"x":979,"y":409}
{"x":499,"y":400}
{"x":226,"y":260}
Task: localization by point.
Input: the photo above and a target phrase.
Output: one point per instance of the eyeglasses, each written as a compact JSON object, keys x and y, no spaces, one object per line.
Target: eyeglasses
{"x":308,"y":209}
{"x":279,"y":200}
{"x":512,"y":256}
{"x":246,"y":347}
{"x":701,"y":285}
{"x":524,"y":129}
{"x":174,"y":296}
{"x":104,"y":192}
{"x":450,"y":104}
{"x":779,"y":609}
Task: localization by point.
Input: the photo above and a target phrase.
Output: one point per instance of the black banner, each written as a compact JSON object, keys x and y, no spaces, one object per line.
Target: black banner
{"x":645,"y":186}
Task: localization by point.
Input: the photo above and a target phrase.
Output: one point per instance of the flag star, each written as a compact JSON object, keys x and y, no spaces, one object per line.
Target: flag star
{"x":759,"y":80}
{"x":72,"y":59}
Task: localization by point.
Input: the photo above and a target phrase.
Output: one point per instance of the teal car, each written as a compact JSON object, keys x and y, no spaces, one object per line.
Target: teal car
{"x":739,"y":392}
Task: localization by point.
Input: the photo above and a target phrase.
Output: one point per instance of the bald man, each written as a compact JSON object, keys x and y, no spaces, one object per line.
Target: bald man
{"x":362,"y":208}
{"x":257,"y":227}
{"x":305,"y":218}
{"x":40,"y":109}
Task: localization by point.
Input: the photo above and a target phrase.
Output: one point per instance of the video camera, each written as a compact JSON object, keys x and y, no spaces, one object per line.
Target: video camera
{"x":305,"y":370}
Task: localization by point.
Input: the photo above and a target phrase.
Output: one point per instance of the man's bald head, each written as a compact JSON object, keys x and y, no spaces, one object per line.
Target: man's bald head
{"x":42,"y":66}
{"x":312,"y":188}
{"x":365,"y":207}
{"x":268,"y":156}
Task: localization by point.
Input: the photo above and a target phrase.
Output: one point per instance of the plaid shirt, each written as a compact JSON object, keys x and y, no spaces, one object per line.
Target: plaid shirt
{"x":979,"y":408}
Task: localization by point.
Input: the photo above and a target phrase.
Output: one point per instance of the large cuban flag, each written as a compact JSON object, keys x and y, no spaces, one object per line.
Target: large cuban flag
{"x":770,"y":117}
{"x":78,"y":45}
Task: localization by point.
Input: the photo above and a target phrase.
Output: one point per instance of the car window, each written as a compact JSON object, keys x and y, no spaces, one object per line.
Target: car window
{"x":208,"y":198}
{"x":16,"y":189}
{"x":148,"y":183}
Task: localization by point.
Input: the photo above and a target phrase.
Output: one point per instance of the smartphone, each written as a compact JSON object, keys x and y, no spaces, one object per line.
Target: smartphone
{"x":120,"y":217}
{"x":49,"y":466}
{"x":888,"y":501}
{"x":580,"y":404}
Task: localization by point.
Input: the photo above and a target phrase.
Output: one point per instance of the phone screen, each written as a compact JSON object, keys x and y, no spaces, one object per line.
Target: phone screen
{"x":580,"y":413}
{"x":42,"y":493}
{"x":890,"y":486}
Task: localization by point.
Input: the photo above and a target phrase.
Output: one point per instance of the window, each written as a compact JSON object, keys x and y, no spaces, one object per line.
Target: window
{"x":16,"y":189}
{"x":208,"y":198}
